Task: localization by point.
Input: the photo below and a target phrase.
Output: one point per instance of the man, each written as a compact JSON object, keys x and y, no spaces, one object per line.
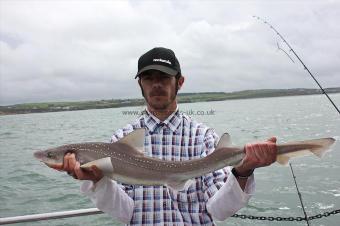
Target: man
{"x":173,"y":136}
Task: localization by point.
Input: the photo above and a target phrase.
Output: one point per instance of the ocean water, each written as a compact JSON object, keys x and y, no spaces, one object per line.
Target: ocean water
{"x":29,"y":187}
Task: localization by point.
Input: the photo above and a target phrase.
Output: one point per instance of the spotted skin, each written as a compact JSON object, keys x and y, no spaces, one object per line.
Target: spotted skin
{"x":131,"y":166}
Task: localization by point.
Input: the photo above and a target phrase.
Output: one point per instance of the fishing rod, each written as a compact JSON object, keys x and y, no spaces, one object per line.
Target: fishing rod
{"x":304,"y":66}
{"x":317,"y":82}
{"x":299,"y":194}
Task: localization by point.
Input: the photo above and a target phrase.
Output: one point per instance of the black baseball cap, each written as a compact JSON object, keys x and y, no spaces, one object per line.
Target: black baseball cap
{"x":161,"y":59}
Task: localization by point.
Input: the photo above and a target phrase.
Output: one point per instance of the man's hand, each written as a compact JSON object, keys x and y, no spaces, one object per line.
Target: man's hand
{"x":72,"y":167}
{"x":258,"y":155}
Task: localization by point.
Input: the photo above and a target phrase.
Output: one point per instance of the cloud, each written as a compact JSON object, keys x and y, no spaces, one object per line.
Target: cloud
{"x":82,"y":50}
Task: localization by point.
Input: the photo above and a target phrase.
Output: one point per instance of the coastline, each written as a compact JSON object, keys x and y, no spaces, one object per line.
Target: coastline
{"x":27,"y":108}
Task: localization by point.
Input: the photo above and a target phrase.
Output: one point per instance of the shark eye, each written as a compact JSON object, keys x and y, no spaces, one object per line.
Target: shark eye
{"x":50,"y":155}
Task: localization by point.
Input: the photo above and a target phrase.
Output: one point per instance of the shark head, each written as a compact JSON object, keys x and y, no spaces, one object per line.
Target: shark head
{"x":53,"y":157}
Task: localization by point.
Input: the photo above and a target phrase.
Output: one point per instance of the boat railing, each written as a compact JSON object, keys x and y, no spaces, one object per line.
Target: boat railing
{"x":49,"y":216}
{"x":93,"y":211}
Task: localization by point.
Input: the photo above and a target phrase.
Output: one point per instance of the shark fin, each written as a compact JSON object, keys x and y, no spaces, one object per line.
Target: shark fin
{"x":104,"y":164}
{"x":180,"y":186}
{"x":317,"y":147}
{"x":135,"y":139}
{"x":282,"y":159}
{"x":225,"y":141}
{"x":324,"y":145}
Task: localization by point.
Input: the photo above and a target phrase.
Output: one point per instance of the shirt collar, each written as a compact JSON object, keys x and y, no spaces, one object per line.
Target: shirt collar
{"x":152,"y":122}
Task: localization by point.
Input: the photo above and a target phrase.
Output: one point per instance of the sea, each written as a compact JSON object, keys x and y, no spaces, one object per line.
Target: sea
{"x":29,"y":187}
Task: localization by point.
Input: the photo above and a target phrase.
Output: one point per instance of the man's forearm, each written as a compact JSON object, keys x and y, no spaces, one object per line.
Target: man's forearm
{"x":242,"y":176}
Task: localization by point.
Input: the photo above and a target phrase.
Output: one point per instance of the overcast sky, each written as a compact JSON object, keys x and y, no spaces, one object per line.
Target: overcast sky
{"x":88,"y":50}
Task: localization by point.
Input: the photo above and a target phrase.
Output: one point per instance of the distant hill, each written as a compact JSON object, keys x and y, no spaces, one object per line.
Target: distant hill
{"x":182,"y":98}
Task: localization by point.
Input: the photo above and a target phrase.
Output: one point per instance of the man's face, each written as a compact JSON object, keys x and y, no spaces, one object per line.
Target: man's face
{"x":159,"y":89}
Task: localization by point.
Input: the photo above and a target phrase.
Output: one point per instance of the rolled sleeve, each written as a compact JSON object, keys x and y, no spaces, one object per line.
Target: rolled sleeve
{"x":230,"y":198}
{"x":107,"y":196}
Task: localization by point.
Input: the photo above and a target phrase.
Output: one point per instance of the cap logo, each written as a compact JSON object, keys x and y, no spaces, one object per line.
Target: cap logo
{"x":164,"y":61}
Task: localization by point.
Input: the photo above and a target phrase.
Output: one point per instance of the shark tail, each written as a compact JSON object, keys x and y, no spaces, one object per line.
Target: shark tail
{"x":317,"y":147}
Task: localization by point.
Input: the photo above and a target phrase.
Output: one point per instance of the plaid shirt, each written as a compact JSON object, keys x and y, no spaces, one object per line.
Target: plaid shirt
{"x":178,"y":138}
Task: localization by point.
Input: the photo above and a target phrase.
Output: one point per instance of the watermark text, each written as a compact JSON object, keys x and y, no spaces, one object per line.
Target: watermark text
{"x":189,"y":112}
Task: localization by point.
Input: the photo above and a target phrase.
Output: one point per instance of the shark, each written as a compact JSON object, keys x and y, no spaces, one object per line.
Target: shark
{"x":125,"y":162}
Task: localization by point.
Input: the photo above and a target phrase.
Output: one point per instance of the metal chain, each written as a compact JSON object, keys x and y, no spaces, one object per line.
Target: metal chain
{"x":263,"y":218}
